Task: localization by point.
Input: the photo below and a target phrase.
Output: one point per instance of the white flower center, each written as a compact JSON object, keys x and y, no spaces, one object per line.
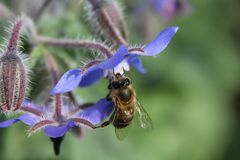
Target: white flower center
{"x":122,"y":67}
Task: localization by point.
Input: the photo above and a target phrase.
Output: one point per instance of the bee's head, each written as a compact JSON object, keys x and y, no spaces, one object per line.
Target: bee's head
{"x":119,"y":81}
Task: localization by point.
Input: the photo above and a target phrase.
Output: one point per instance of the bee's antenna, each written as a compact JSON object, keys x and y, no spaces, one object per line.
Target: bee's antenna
{"x":123,"y":71}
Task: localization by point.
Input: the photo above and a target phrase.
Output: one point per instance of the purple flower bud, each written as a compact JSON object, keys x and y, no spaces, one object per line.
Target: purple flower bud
{"x":12,"y":74}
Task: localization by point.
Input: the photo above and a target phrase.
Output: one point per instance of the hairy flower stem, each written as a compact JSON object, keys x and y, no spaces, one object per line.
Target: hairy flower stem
{"x":54,"y":73}
{"x":12,"y":45}
{"x":31,"y":110}
{"x":58,"y":105}
{"x":112,"y":30}
{"x":64,"y":43}
{"x":52,"y":68}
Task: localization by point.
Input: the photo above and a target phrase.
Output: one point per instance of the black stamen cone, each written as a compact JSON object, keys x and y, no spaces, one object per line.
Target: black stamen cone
{"x":57,"y":144}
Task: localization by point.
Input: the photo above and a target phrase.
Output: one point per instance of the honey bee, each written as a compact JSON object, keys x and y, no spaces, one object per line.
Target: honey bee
{"x":123,"y":95}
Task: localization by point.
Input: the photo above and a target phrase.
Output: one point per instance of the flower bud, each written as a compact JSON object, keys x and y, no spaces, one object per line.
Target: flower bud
{"x":12,"y":74}
{"x":107,"y":19}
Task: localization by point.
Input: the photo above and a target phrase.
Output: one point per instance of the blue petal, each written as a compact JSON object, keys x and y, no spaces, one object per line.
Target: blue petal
{"x":91,"y":76}
{"x":160,"y":42}
{"x":26,"y":118}
{"x":136,"y":63}
{"x":58,"y":131}
{"x":98,"y":112}
{"x":115,"y":59}
{"x":68,"y":82}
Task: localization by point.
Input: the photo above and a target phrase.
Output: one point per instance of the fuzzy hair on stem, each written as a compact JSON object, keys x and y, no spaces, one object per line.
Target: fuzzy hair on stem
{"x":14,"y":37}
{"x":54,"y":73}
{"x":66,"y":43}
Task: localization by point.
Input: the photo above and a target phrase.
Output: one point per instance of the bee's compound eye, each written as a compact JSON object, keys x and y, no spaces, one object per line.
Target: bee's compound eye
{"x":115,"y":85}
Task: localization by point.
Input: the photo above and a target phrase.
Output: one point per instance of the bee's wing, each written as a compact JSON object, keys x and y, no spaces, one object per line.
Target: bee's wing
{"x":122,"y":133}
{"x":144,"y":120}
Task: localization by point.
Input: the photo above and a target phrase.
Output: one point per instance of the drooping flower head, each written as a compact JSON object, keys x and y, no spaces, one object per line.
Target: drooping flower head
{"x":119,"y":62}
{"x":46,"y":118}
{"x":61,"y":116}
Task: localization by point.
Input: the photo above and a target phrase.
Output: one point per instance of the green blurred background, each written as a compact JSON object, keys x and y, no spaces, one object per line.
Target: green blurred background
{"x":191,"y":91}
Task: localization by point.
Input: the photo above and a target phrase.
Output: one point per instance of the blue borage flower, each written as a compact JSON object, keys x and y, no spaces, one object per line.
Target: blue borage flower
{"x":119,"y":62}
{"x":57,"y":125}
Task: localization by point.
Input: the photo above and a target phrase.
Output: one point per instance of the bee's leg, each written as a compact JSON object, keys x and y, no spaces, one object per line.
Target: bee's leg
{"x":109,"y":86}
{"x":106,"y":123}
{"x":85,"y":105}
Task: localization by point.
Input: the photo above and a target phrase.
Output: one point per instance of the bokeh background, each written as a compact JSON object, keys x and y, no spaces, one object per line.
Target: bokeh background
{"x":191,"y":91}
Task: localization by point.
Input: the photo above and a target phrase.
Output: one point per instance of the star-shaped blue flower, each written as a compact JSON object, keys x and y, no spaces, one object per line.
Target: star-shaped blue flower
{"x":118,"y":63}
{"x":57,"y":125}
